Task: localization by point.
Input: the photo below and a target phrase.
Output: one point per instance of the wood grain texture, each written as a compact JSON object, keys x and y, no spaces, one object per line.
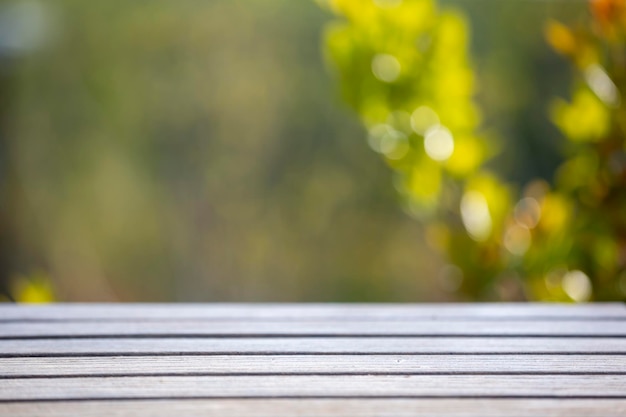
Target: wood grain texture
{"x":314,"y":386}
{"x":317,"y":364}
{"x":313,"y":360}
{"x":337,"y":312}
{"x":326,"y":407}
{"x":195,"y":328}
{"x":299,"y":345}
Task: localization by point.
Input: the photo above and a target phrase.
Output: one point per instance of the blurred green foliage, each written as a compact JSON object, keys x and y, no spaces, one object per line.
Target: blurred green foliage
{"x":194,"y":151}
{"x":404,"y":67}
{"x":190,"y":151}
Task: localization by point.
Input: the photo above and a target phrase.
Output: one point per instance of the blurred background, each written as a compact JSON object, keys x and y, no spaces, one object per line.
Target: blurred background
{"x":203,"y":151}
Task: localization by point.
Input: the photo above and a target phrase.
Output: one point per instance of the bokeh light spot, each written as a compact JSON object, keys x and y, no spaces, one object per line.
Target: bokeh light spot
{"x":423,"y":118}
{"x":386,"y":67}
{"x":577,"y":285}
{"x":475,"y":215}
{"x":554,"y":278}
{"x":602,"y":85}
{"x":438,"y":143}
{"x":517,"y":239}
{"x":527,"y":212}
{"x":388,"y":141}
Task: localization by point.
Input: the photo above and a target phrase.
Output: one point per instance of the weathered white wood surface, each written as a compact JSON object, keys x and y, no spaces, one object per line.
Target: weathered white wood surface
{"x":362,"y":407}
{"x":412,"y":386}
{"x":195,"y":328}
{"x":313,"y":360}
{"x":309,"y":345}
{"x":25,"y":367}
{"x":303,"y":312}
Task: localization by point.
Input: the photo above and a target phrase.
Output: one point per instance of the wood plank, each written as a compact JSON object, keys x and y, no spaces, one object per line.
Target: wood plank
{"x":302,"y":364}
{"x":413,"y":386}
{"x":329,"y":408}
{"x":278,"y":345}
{"x":186,"y":328}
{"x":343,"y":312}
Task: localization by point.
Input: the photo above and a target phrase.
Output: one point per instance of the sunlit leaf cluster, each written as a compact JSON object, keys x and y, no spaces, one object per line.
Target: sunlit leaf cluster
{"x":404,"y":66}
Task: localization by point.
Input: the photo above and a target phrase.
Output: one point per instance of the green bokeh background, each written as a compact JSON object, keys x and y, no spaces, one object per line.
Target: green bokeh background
{"x":200,"y":151}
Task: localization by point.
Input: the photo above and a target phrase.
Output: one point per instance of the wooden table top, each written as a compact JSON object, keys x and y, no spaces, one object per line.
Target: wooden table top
{"x":313,"y":360}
